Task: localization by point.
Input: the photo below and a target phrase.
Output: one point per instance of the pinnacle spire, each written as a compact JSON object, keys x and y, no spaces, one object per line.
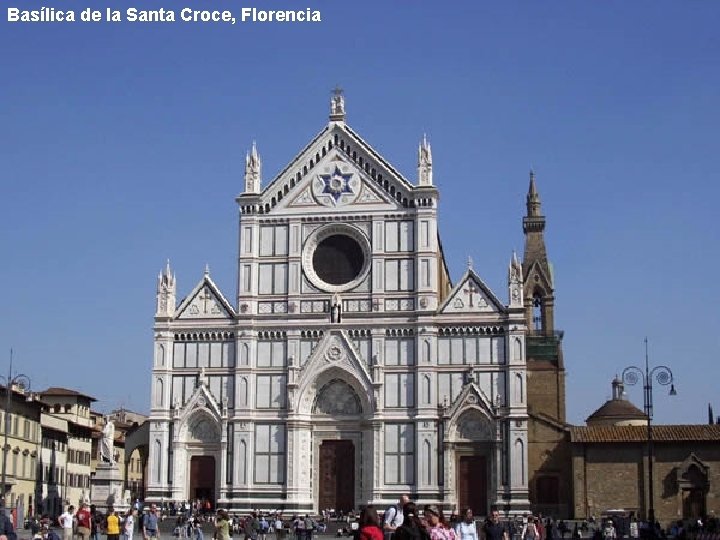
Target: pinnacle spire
{"x":533,"y":197}
{"x":425,"y":162}
{"x":253,"y":168}
{"x":207,"y":269}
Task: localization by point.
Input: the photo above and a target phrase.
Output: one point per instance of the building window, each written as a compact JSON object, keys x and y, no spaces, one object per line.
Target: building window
{"x":273,"y":241}
{"x":271,"y":353}
{"x":270,"y":454}
{"x":273,"y":278}
{"x":399,"y":454}
{"x":399,"y":389}
{"x":270,"y":392}
{"x":399,"y":352}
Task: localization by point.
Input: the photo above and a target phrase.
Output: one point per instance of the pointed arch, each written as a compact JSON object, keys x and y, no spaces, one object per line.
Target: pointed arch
{"x":427,"y":389}
{"x":243,"y":392}
{"x":427,"y":461}
{"x":427,"y":351}
{"x":159,"y":392}
{"x":242,"y":457}
{"x":244,"y":354}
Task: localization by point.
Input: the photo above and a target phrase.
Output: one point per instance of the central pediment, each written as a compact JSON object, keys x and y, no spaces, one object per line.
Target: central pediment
{"x":337,"y":170}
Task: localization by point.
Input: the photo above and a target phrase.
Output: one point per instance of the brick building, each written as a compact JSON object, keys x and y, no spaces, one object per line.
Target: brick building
{"x":609,"y":470}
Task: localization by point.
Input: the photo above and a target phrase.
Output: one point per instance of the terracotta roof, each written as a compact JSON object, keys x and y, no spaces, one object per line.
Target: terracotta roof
{"x":634,"y":434}
{"x":617,"y":409}
{"x":57,"y":391}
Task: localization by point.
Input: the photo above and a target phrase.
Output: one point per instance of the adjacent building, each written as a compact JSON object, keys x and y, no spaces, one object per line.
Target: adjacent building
{"x":72,"y":407}
{"x":610,"y":464}
{"x":21,"y":445}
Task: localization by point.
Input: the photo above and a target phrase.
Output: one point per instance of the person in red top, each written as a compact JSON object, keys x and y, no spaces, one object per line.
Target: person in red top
{"x":84,"y":518}
{"x":370,"y":524}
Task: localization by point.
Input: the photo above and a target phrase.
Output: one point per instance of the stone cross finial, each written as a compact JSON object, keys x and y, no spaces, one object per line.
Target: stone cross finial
{"x":337,"y":105}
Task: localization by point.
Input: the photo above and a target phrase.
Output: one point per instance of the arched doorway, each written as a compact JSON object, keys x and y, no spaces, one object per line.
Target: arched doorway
{"x":336,"y":403}
{"x":202,"y":479}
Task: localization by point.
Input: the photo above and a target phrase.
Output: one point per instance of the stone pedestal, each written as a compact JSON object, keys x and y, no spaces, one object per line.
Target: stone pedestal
{"x":107,"y":489}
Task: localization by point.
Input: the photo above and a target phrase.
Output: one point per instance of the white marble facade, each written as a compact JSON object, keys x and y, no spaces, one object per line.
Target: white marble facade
{"x":344,"y":326}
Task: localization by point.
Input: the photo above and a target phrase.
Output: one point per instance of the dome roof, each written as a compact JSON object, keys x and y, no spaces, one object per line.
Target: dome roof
{"x":617,"y":409}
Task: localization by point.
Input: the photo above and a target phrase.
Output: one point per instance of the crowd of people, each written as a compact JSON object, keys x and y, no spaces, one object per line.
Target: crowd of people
{"x":402,"y":521}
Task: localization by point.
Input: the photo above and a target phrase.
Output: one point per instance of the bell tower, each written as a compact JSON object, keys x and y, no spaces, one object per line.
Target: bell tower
{"x":548,"y":451}
{"x":537,"y":270}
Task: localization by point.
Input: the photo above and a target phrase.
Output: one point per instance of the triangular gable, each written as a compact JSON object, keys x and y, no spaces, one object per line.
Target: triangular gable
{"x":334,"y":354}
{"x":315,"y":176}
{"x":471,"y":295}
{"x":201,"y":400}
{"x":205,"y":302}
{"x":471,"y":398}
{"x":545,"y":281}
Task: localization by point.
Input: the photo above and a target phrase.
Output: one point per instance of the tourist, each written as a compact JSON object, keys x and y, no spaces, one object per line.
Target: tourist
{"x":280,"y":531}
{"x":466,"y":529}
{"x":493,"y":528}
{"x":222,"y":526}
{"x":370,"y":524}
{"x":530,"y":531}
{"x":436,"y":523}
{"x":83,"y":518}
{"x":129,"y":524}
{"x":393,"y":516}
{"x":150,"y":524}
{"x":411,"y":528}
{"x":66,"y":522}
{"x":112,"y":525}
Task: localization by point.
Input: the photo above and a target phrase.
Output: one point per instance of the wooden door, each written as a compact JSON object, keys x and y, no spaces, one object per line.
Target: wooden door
{"x":472,"y":484}
{"x":337,"y":475}
{"x":202,"y":478}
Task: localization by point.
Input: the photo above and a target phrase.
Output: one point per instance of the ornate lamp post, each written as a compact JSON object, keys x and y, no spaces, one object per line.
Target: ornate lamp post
{"x":9,"y":382}
{"x":662,"y":375}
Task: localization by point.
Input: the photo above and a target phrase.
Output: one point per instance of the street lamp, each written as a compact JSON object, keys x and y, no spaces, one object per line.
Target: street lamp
{"x":9,"y":382}
{"x":662,"y":375}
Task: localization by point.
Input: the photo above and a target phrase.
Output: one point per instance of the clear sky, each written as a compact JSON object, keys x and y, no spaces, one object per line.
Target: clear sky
{"x":123,"y":144}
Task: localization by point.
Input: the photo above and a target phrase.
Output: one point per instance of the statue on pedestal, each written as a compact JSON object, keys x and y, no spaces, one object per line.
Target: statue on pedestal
{"x":107,"y":443}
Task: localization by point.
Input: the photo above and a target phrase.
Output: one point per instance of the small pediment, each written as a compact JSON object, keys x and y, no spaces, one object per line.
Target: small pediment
{"x":471,"y":295}
{"x":200,"y":400}
{"x":471,"y":415}
{"x":205,"y":302}
{"x":334,"y":361}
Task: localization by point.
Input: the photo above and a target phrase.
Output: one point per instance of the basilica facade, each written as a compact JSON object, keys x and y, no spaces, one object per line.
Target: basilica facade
{"x":348,"y":369}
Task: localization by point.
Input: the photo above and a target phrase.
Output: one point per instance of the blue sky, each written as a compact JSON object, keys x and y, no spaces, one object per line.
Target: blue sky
{"x":122,"y":145}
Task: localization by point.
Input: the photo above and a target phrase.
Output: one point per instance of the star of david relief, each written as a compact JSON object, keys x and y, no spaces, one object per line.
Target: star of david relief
{"x":336,"y":187}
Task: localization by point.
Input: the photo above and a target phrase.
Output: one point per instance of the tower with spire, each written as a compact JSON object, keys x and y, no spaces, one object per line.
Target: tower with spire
{"x":545,"y":367}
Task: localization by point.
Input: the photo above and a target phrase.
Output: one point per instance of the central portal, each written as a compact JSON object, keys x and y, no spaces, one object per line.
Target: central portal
{"x":472,"y":484}
{"x":337,"y":475}
{"x":202,"y":479}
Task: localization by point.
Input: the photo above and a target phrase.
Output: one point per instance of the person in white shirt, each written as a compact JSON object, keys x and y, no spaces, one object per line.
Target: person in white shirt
{"x":66,"y":522}
{"x":129,"y":524}
{"x":393,"y":517}
{"x":466,"y":529}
